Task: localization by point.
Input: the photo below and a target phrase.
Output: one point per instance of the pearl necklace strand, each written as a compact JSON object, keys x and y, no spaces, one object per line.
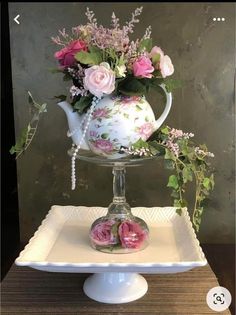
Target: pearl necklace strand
{"x":89,"y":115}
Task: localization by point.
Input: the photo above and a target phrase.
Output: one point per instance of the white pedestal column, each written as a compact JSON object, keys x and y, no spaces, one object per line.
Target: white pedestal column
{"x":115,"y":287}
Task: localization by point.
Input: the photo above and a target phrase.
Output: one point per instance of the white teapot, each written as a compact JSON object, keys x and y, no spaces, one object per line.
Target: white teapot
{"x":115,"y":122}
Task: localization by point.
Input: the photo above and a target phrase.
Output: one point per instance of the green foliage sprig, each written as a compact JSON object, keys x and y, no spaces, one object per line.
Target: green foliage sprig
{"x":187,"y":161}
{"x":28,"y":133}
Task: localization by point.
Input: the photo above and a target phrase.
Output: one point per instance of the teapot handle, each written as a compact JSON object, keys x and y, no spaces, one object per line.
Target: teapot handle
{"x":165,"y":113}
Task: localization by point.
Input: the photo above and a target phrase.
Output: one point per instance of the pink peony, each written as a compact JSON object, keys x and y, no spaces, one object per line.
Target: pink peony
{"x":143,"y":68}
{"x":104,"y":145}
{"x":166,"y":66}
{"x":101,"y":233}
{"x":99,"y":79}
{"x":131,"y":234}
{"x":146,"y":130}
{"x":66,"y":56}
{"x":156,"y":50}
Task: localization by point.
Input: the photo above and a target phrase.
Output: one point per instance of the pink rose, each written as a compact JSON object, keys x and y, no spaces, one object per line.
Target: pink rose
{"x":100,"y":113}
{"x":99,"y":79}
{"x":131,"y":234}
{"x":143,"y":68}
{"x":93,"y":133}
{"x":146,"y":130}
{"x":104,"y":145}
{"x":131,"y":99}
{"x":101,"y":233}
{"x":66,"y":56}
{"x":156,"y":50}
{"x":166,"y":66}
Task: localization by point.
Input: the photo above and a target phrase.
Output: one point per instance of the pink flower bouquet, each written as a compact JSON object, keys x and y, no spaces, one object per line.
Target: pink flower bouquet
{"x":102,"y":61}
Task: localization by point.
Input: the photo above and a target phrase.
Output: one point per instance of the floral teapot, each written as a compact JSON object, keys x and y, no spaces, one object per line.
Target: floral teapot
{"x":114,"y":122}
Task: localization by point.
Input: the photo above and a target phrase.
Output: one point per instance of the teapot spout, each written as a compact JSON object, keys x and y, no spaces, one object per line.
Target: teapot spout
{"x":74,"y":122}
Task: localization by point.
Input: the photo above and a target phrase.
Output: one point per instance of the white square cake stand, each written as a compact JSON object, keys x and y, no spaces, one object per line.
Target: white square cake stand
{"x":61,"y":244}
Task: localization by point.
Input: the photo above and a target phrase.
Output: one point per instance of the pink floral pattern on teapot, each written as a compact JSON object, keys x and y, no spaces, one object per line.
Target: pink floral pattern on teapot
{"x":115,"y":122}
{"x":119,"y":121}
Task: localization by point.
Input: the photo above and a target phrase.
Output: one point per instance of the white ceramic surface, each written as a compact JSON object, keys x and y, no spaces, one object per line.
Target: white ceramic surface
{"x":115,"y":287}
{"x":61,"y":244}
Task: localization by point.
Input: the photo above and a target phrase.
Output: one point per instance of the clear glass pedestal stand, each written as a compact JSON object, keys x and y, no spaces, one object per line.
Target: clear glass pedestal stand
{"x":117,"y":287}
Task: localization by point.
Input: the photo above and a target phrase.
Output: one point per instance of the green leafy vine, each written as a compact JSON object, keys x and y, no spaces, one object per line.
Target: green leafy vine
{"x":187,"y":161}
{"x":28,"y":133}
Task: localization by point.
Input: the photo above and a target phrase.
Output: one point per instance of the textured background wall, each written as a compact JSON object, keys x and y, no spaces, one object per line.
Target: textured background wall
{"x":203,"y":54}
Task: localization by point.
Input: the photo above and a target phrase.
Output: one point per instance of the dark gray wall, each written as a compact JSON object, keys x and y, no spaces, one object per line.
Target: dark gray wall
{"x":203,"y":54}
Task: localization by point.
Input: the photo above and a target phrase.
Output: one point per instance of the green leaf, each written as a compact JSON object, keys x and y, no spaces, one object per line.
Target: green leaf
{"x":197,"y":218}
{"x":95,"y":49}
{"x":187,"y":174}
{"x":140,"y":144}
{"x":83,"y":103}
{"x":172,"y":84}
{"x":105,"y":135}
{"x":89,"y":58}
{"x":212,"y":181}
{"x":157,"y":146}
{"x":174,"y":194}
{"x":169,"y":155}
{"x":21,"y":141}
{"x":156,"y":58}
{"x":55,"y":70}
{"x":158,"y":89}
{"x":180,"y":203}
{"x":114,"y":229}
{"x":169,"y":164}
{"x":132,"y":86}
{"x":165,"y":130}
{"x":60,"y":97}
{"x":178,"y":211}
{"x":145,"y":44}
{"x":207,"y":183}
{"x":43,"y":108}
{"x":177,"y":203}
{"x":173,"y":182}
{"x":156,"y":82}
{"x":67,"y":77}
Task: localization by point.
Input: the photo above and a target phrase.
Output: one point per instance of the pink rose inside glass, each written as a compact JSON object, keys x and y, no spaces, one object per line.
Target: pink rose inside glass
{"x":131,"y":234}
{"x":66,"y":56}
{"x":101,"y":234}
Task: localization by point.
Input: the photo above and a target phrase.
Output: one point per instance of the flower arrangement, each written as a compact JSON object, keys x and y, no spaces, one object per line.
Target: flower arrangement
{"x":113,"y":234}
{"x":102,"y":61}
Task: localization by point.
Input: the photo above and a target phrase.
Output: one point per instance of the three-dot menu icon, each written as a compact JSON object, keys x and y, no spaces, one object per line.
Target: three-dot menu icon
{"x":218,"y":19}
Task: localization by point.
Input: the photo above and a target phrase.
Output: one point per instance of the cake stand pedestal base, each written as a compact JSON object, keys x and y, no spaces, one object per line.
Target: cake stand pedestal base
{"x":115,"y":287}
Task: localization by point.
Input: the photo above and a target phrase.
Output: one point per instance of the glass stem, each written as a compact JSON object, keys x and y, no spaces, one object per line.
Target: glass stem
{"x":119,"y":184}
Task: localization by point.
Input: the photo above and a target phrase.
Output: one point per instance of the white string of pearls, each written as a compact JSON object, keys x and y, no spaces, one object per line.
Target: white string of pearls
{"x":88,"y":116}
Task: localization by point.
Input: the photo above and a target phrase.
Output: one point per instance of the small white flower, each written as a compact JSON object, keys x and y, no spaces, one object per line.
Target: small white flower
{"x":120,"y":71}
{"x":74,"y":91}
